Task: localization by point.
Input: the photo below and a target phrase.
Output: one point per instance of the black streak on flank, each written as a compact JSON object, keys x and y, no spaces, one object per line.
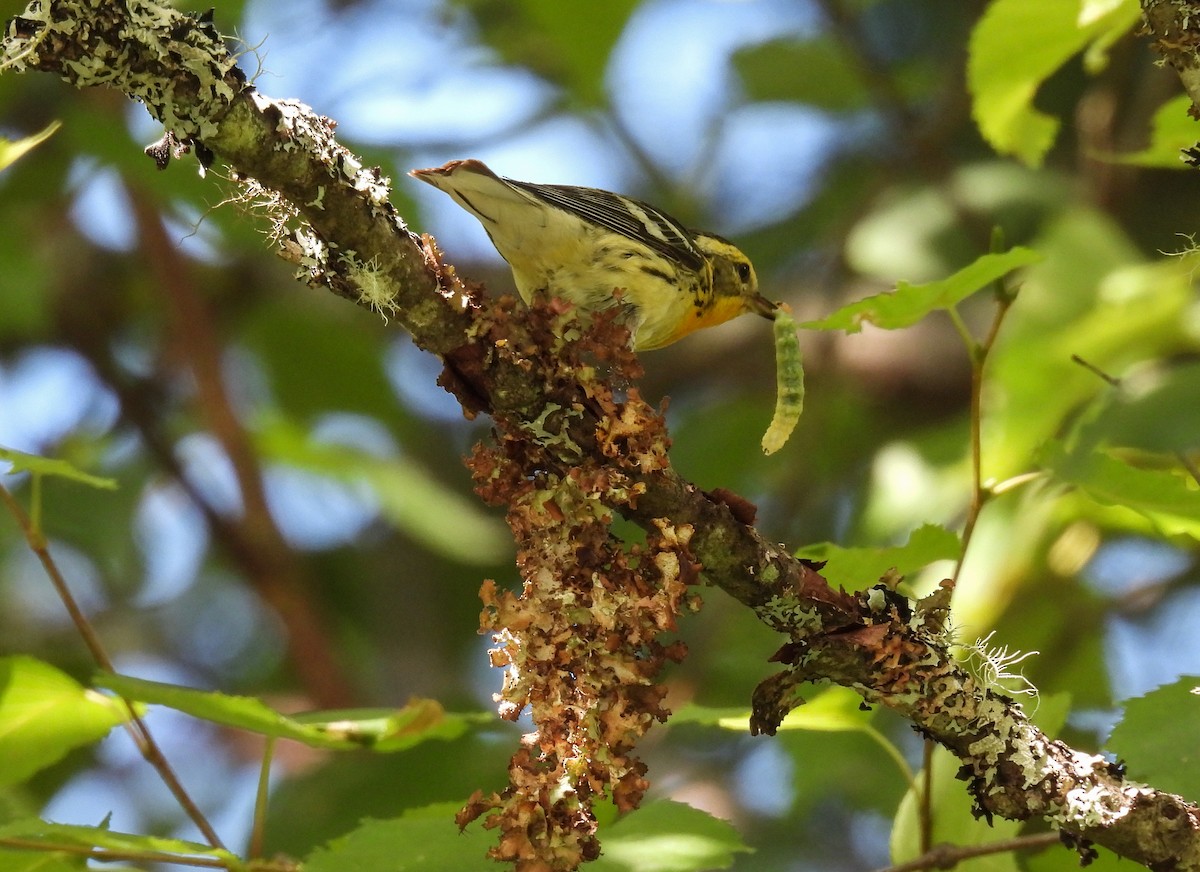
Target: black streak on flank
{"x":656,"y":272}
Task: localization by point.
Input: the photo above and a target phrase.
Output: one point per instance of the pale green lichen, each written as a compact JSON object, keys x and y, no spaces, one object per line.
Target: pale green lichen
{"x":377,"y":290}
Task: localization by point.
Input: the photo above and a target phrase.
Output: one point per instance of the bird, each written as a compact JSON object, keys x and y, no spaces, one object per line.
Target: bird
{"x":596,"y":249}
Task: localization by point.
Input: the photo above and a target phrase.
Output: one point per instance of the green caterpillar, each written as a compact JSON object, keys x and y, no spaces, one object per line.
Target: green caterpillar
{"x":789,"y":382}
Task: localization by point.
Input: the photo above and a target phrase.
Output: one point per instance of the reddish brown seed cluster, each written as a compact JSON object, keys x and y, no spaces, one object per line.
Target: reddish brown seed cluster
{"x":581,"y":643}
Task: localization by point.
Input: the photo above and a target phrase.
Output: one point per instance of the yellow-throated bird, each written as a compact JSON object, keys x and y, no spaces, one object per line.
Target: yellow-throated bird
{"x":586,"y":246}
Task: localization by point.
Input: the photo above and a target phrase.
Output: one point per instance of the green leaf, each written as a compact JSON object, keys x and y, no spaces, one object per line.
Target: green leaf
{"x":854,"y":568}
{"x":32,"y":463}
{"x":1170,"y":500}
{"x":12,"y":150}
{"x":1164,"y":416}
{"x":44,"y":713}
{"x":53,"y":835}
{"x":908,"y":304}
{"x":422,"y":840}
{"x":413,"y":500}
{"x":1172,"y":130}
{"x":835,"y":709}
{"x":661,"y":836}
{"x":1156,"y":738}
{"x":665,"y":836}
{"x":43,"y":861}
{"x":813,"y":71}
{"x":377,"y":729}
{"x":1043,"y":35}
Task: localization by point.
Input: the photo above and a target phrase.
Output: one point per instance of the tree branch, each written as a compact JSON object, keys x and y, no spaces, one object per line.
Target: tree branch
{"x":333,"y":218}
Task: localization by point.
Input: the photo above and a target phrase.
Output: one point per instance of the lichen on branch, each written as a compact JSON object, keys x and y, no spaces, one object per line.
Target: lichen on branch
{"x":567,"y":445}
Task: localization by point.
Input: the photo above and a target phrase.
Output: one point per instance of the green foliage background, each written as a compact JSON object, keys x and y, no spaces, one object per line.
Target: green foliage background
{"x":940,"y":137}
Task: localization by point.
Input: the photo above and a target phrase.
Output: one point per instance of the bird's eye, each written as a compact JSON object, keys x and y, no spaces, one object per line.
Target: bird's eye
{"x":743,"y":271}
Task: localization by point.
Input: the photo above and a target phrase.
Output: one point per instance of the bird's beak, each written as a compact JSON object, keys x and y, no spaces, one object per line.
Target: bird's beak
{"x":760,"y":305}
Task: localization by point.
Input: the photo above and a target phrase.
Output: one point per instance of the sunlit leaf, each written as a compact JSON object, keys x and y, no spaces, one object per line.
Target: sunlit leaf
{"x":1172,"y":130}
{"x":44,"y":713}
{"x":854,"y":568}
{"x":908,"y":304}
{"x":378,"y":729}
{"x":1156,"y":738}
{"x":665,"y":836}
{"x":22,"y":462}
{"x":409,"y":497}
{"x":13,"y":150}
{"x":1044,"y":36}
{"x":835,"y":709}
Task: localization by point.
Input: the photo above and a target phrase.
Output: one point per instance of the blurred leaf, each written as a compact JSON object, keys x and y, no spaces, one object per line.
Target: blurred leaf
{"x":12,"y":150}
{"x":289,"y":339}
{"x":1044,"y":36}
{"x":1156,"y":738}
{"x":1163,"y":417}
{"x":834,"y":709}
{"x":666,"y":836}
{"x":856,"y":568}
{"x":1168,"y":499}
{"x":567,"y":44}
{"x":51,"y":835}
{"x":378,"y":729}
{"x":421,"y":840}
{"x":409,"y":497}
{"x":813,"y":71}
{"x":22,"y":462}
{"x":1092,"y":297}
{"x":44,"y":713}
{"x":908,"y":304}
{"x":1172,"y":130}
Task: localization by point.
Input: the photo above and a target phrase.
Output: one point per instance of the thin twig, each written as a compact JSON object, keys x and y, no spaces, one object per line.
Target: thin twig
{"x":925,"y":806}
{"x":1112,"y":380}
{"x":979,"y":354}
{"x":135,"y":725}
{"x":258,"y":831}
{"x":949,"y":856}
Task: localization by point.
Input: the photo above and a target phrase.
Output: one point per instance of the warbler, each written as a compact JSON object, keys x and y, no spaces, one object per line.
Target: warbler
{"x":596,"y":249}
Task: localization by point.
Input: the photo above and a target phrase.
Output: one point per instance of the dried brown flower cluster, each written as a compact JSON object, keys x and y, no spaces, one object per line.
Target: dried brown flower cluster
{"x":581,"y":645}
